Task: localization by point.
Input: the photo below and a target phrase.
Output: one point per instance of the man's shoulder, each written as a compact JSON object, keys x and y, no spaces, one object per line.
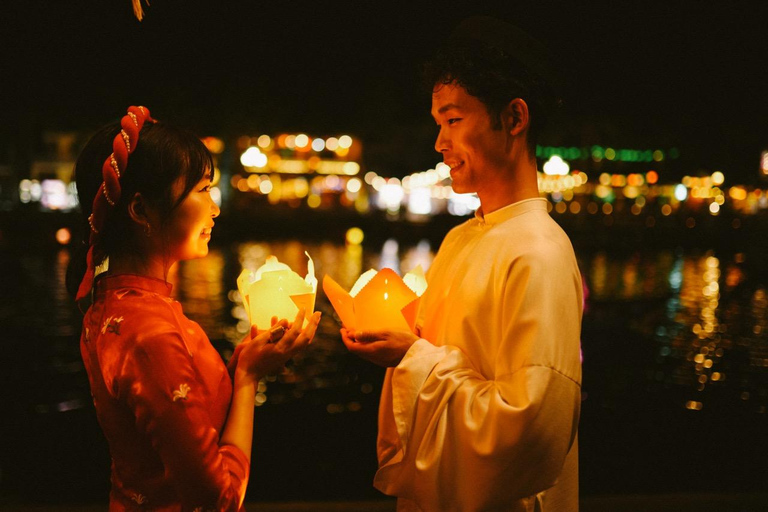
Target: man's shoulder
{"x":543,"y":241}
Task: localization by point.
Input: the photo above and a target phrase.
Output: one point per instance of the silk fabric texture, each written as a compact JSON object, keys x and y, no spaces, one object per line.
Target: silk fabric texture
{"x":162,"y":396}
{"x":483,"y":416}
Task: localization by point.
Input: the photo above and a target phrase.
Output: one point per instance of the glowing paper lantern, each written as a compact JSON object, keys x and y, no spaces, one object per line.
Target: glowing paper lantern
{"x":378,"y":300}
{"x":276,"y":290}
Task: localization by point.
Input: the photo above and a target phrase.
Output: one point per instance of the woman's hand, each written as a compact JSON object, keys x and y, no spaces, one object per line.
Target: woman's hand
{"x":232,"y":363}
{"x":258,"y":356}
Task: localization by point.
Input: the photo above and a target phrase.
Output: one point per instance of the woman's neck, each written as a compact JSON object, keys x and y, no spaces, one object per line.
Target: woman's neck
{"x":130,"y":264}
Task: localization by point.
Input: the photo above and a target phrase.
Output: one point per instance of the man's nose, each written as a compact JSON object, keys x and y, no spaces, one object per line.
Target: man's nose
{"x":442,"y":143}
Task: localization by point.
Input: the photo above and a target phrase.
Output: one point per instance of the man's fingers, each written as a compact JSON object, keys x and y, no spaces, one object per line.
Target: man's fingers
{"x":369,"y":336}
{"x":360,"y":349}
{"x":348,"y":342}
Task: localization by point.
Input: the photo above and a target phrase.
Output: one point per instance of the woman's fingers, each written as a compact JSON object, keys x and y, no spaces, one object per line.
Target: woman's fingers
{"x":311,"y":329}
{"x":298,"y":322}
{"x":293,"y":331}
{"x":297,"y":338}
{"x":276,"y":333}
{"x":262,"y":337}
{"x":305,"y":338}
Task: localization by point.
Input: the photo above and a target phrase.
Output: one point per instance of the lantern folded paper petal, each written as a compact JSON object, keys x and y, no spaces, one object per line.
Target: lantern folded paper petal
{"x":416,"y":281}
{"x":378,"y":300}
{"x":276,"y":290}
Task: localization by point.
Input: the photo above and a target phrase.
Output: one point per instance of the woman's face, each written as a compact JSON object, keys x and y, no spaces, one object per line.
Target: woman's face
{"x":189,"y":229}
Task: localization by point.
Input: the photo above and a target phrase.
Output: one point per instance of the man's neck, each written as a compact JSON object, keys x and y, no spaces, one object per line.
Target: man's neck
{"x":519,"y":184}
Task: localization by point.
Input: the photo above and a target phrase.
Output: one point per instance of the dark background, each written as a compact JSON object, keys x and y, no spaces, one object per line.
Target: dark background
{"x":639,"y":75}
{"x":680,"y":74}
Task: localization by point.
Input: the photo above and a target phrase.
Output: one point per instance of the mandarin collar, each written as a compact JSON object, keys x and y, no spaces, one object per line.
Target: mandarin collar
{"x":511,"y":210}
{"x":150,"y":284}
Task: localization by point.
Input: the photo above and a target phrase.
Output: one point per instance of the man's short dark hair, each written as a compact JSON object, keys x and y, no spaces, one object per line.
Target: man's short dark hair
{"x":495,"y":77}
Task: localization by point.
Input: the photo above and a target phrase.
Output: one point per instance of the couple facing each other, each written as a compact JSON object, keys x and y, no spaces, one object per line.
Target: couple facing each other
{"x":479,"y":410}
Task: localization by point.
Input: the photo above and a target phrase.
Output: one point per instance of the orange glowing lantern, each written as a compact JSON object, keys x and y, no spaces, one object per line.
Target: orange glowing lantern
{"x":378,"y":300}
{"x":276,"y":290}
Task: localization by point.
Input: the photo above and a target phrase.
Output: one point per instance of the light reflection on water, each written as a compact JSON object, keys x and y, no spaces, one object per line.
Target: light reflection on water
{"x":703,"y":316}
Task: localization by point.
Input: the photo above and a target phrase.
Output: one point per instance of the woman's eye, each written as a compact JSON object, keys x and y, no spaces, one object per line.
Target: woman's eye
{"x":206,"y":188}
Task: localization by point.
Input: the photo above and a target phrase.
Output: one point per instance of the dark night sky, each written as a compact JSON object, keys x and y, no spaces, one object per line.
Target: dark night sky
{"x":641,"y":75}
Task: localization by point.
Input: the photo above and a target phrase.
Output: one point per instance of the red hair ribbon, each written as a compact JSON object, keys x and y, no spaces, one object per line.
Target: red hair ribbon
{"x":109,"y":192}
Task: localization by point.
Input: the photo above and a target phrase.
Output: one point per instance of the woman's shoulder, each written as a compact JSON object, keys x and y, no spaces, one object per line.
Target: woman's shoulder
{"x":136,"y":317}
{"x":144,"y":305}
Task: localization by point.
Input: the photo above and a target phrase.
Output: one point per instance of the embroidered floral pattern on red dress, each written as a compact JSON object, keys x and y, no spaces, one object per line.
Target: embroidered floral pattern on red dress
{"x":181,"y":393}
{"x":112,"y":324}
{"x":140,"y":499}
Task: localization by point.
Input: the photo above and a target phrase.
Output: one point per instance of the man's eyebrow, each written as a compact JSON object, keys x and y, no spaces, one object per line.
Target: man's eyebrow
{"x":447,"y":107}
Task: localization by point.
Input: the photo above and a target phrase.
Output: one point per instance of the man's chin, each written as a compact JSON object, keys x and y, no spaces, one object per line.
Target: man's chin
{"x":458,"y":188}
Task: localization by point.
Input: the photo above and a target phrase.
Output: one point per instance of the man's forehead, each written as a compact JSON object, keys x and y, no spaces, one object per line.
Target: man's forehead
{"x":447,"y":96}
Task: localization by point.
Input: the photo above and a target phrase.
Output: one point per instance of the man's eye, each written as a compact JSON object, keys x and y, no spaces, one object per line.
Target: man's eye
{"x":453,"y":120}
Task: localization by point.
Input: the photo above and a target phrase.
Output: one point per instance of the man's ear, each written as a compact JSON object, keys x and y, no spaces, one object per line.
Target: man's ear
{"x":516,"y":116}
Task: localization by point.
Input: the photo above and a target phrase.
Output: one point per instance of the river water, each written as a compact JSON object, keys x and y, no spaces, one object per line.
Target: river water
{"x":675,"y":390}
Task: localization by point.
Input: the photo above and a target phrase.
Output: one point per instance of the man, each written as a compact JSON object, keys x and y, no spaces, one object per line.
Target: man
{"x":480,"y":411}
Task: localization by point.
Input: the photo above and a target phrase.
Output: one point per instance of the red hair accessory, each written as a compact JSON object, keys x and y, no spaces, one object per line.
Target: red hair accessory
{"x":109,"y":192}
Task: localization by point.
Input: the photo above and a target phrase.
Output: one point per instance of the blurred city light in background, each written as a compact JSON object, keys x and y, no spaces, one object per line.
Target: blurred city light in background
{"x":303,"y":170}
{"x":556,"y":166}
{"x":354,"y":236}
{"x":764,"y":163}
{"x":63,"y":236}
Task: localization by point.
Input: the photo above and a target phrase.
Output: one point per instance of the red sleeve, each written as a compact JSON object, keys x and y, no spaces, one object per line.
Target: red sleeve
{"x":160,"y":385}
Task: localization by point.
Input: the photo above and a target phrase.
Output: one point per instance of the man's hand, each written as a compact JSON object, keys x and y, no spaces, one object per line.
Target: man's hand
{"x":384,"y":348}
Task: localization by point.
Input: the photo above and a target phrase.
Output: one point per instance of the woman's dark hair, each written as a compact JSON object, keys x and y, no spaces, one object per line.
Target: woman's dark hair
{"x":495,"y":78}
{"x":164,"y":154}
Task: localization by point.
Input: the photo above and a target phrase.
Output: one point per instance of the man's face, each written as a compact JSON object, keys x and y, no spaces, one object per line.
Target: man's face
{"x":475,"y":152}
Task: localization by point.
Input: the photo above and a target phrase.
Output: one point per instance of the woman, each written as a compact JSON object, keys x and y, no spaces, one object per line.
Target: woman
{"x":179,"y":426}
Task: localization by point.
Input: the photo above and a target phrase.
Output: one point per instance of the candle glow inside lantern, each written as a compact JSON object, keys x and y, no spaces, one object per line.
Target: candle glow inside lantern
{"x":276,"y":290}
{"x":378,"y":300}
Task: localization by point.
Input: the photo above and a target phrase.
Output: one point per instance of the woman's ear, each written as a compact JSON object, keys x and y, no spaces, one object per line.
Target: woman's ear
{"x":137,"y":209}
